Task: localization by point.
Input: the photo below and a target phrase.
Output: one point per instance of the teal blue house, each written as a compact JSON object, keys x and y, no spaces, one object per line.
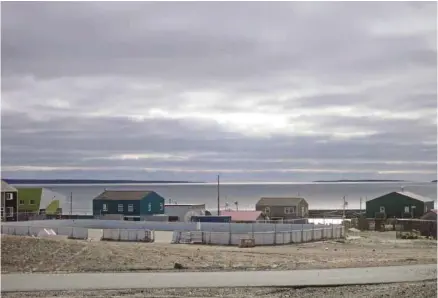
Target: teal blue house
{"x":127,"y":204}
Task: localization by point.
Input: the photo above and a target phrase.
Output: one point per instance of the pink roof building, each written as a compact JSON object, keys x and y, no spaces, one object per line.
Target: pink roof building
{"x":244,"y":216}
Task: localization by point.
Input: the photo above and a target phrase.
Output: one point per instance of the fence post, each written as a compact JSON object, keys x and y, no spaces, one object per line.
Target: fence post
{"x":119,"y":234}
{"x":333,"y":230}
{"x":229,"y":232}
{"x":28,"y":230}
{"x":313,"y":232}
{"x":302,"y":233}
{"x":72,"y":232}
{"x":252,"y":230}
{"x":275,"y":234}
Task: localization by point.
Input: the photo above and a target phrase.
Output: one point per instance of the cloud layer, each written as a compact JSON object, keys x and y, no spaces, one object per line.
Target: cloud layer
{"x":288,"y":91}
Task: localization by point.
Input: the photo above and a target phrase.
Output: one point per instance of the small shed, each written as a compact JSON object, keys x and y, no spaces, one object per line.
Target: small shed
{"x":399,"y":204}
{"x":431,"y":215}
{"x":244,"y":216}
{"x":128,"y":204}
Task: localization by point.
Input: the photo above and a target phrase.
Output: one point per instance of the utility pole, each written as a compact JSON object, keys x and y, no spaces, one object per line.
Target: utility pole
{"x":218,"y":197}
{"x":343,"y":207}
{"x":360,"y":205}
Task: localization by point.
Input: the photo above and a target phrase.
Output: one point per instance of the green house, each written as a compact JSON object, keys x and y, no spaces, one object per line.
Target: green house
{"x":128,"y":204}
{"x":41,"y":200}
{"x":400,"y":204}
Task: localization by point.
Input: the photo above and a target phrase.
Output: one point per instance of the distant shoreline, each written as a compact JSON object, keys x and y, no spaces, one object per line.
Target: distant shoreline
{"x":87,"y":181}
{"x":101,"y":182}
{"x":367,"y":180}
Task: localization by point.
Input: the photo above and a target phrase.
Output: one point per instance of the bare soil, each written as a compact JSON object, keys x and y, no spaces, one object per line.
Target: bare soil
{"x":27,"y":254}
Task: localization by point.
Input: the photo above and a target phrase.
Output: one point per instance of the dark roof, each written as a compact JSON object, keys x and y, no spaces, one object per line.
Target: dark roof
{"x":409,"y":195}
{"x":7,"y":187}
{"x":124,"y":195}
{"x":280,"y":201}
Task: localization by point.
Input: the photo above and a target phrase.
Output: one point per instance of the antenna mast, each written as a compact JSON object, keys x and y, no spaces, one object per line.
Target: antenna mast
{"x":218,"y":196}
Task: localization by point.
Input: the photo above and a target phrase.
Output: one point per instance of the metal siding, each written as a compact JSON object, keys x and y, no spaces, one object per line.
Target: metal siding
{"x":394,"y":205}
{"x":178,"y":210}
{"x":28,"y":194}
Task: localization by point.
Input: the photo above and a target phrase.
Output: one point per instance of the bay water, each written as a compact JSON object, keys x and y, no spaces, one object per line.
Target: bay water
{"x":319,"y":195}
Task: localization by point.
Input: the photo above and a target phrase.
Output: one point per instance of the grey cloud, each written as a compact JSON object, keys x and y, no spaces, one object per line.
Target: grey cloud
{"x":76,"y":140}
{"x":72,"y":73}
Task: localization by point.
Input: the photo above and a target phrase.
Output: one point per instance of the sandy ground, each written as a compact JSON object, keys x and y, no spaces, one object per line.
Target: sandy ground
{"x":404,"y":290}
{"x":27,"y":254}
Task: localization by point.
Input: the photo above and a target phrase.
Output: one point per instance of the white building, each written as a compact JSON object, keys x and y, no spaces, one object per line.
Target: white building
{"x":183,"y":212}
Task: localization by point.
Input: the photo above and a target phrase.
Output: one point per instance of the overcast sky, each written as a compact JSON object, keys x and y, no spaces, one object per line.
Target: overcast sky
{"x":255,"y":91}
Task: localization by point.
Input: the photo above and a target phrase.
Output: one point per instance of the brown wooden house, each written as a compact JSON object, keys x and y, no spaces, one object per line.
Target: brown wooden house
{"x":283,"y":207}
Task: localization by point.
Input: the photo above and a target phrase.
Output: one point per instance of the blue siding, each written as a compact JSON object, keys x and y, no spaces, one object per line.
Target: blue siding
{"x":153,"y":203}
{"x":113,"y":207}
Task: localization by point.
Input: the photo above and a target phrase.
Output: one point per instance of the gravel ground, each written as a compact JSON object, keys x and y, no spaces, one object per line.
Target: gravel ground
{"x":420,"y":290}
{"x":27,"y":254}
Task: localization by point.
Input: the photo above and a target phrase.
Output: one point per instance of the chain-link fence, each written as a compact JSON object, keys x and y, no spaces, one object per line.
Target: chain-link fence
{"x":259,"y":238}
{"x":70,"y":232}
{"x":128,"y":235}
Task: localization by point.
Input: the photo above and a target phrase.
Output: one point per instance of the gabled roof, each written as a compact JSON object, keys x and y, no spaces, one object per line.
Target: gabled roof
{"x":123,"y":195}
{"x":7,"y":188}
{"x":407,"y":194}
{"x":242,"y":215}
{"x":284,"y":201}
{"x":414,"y":196}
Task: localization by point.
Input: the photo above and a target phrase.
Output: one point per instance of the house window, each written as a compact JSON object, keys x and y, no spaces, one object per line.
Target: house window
{"x":161,"y":206}
{"x":32,"y":202}
{"x":130,"y":208}
{"x":267,"y":210}
{"x":150,"y":207}
{"x":120,"y":207}
{"x":21,"y":202}
{"x":382,"y":209}
{"x":104,"y":207}
{"x":406,"y":209}
{"x":9,"y":211}
{"x":303,"y":210}
{"x":290,"y":210}
{"x":9,"y":196}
